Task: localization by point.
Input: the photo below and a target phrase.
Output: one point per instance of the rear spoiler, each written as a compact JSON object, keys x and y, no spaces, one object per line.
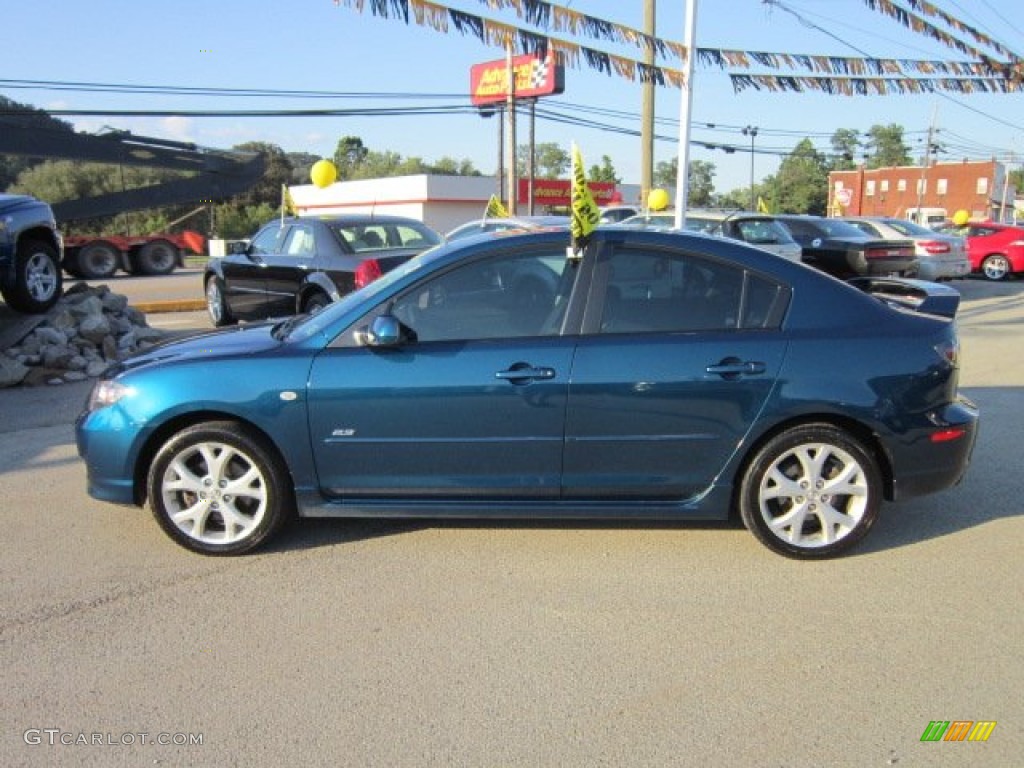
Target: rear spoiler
{"x":921,"y":295}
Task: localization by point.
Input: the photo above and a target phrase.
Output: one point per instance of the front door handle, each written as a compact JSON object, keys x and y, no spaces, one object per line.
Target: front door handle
{"x":522,"y":373}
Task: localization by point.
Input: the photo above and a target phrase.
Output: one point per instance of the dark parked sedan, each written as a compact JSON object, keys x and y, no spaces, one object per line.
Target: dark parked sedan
{"x":840,"y":249}
{"x":298,"y":265}
{"x":653,"y":375}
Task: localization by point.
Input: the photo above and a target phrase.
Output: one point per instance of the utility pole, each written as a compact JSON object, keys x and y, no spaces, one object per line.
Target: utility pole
{"x":510,"y":107}
{"x":924,"y":167}
{"x":647,"y":110}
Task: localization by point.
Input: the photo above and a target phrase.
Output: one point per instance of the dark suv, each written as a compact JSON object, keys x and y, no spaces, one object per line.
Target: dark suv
{"x":31,"y":251}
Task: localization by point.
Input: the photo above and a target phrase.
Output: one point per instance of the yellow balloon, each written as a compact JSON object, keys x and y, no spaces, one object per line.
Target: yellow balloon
{"x":961,"y":217}
{"x":657,"y":200}
{"x":323,"y":173}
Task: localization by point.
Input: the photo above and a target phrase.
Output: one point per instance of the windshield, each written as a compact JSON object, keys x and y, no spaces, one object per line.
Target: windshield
{"x":309,"y":325}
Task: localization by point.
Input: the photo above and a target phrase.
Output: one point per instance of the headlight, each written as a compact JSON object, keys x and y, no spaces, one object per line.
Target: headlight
{"x":107,"y":392}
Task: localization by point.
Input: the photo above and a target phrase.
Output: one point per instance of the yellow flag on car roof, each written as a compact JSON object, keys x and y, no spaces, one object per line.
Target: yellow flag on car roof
{"x":585,"y":213}
{"x":762,"y":206}
{"x":495,"y":209}
{"x":287,"y":204}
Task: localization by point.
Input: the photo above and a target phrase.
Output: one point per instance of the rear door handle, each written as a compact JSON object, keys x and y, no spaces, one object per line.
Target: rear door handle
{"x":733,"y":368}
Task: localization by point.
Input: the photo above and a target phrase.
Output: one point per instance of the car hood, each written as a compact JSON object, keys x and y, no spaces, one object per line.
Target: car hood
{"x":10,"y":203}
{"x":231,"y":342}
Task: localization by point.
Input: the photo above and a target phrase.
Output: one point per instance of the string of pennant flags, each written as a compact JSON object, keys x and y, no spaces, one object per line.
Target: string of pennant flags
{"x":848,"y":76}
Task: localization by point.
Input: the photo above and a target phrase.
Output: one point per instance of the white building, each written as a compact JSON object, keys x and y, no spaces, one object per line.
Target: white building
{"x":440,"y":202}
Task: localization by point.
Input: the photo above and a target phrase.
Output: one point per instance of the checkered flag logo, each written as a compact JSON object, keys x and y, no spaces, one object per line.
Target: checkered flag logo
{"x":538,"y":73}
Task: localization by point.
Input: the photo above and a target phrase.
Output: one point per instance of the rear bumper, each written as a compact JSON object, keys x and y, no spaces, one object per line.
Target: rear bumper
{"x":937,"y":457}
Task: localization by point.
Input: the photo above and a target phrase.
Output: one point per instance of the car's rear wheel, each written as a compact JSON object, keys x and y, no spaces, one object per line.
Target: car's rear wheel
{"x":216,"y":304}
{"x":812,"y":491}
{"x":995,"y":267}
{"x":219,"y":489}
{"x":315,"y":302}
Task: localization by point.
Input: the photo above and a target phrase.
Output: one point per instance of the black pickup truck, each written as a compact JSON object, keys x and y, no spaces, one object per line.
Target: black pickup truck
{"x":31,"y":253}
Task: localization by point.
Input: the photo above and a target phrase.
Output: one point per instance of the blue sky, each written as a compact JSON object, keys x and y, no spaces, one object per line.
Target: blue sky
{"x":318,"y":45}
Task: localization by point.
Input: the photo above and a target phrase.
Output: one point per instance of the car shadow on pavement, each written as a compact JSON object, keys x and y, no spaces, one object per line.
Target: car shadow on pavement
{"x":987,"y":493}
{"x":309,"y":533}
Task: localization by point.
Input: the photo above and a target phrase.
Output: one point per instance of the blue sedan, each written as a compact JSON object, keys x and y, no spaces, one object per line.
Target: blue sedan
{"x":653,"y":375}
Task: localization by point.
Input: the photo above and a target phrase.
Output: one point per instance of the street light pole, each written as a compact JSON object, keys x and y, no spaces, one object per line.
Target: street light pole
{"x":751,"y":131}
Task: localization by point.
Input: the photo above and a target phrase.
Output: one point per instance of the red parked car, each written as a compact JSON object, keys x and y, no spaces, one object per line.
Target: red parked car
{"x":995,"y":250}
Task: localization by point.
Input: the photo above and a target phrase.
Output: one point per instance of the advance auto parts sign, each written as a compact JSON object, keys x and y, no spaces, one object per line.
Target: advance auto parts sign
{"x":534,"y":76}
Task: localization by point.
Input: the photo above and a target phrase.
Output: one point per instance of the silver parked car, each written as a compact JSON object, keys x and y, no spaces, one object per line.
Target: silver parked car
{"x":759,"y":229}
{"x":940,"y":255}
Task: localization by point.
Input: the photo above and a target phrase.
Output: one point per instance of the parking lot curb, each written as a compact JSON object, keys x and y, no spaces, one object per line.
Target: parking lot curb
{"x":178,"y":305}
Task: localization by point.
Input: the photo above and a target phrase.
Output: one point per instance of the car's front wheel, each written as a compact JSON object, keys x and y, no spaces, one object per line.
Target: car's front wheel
{"x":219,"y":489}
{"x":995,"y":267}
{"x":36,"y":280}
{"x":812,"y":491}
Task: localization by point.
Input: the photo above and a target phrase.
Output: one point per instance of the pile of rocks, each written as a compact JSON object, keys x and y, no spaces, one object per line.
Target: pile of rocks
{"x":86,"y":331}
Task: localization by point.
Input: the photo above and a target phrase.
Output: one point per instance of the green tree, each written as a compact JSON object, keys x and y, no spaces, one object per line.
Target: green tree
{"x":449,"y":166}
{"x":604,"y":172}
{"x":233,"y":221}
{"x":846,"y":148}
{"x":700,"y":182}
{"x":801,"y":184}
{"x":551,"y":161}
{"x":887,"y":147}
{"x":349,"y":156}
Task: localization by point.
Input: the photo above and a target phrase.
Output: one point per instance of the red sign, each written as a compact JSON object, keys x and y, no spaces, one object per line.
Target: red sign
{"x":558,"y":191}
{"x":534,"y":76}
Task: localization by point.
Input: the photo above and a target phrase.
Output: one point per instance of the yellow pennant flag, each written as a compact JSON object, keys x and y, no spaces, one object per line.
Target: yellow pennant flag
{"x":762,"y":206}
{"x":287,"y":204}
{"x":585,"y":213}
{"x":495,"y":209}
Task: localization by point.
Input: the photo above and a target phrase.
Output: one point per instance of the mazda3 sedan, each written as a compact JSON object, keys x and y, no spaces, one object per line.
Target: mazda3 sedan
{"x":652,"y":375}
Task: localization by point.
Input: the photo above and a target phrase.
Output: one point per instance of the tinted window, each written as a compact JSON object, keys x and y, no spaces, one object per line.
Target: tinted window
{"x":516,"y":294}
{"x":657,"y":292}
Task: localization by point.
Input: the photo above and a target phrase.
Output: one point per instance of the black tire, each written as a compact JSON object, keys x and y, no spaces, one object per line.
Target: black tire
{"x":216,"y":303}
{"x":219,"y":489}
{"x":315,"y":302}
{"x":158,"y":257}
{"x":38,"y":280}
{"x":97,"y":261}
{"x":818,"y":476}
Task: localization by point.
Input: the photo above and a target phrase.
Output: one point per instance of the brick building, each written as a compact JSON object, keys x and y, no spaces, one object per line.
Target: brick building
{"x":980,"y":188}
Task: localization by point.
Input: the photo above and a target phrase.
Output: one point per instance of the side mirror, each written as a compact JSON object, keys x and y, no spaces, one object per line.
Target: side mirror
{"x":384,"y":331}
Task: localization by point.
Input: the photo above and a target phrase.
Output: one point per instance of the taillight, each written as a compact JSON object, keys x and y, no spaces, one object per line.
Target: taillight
{"x":949,"y":351}
{"x":946,"y":435}
{"x":935,"y":246}
{"x":367,"y":272}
